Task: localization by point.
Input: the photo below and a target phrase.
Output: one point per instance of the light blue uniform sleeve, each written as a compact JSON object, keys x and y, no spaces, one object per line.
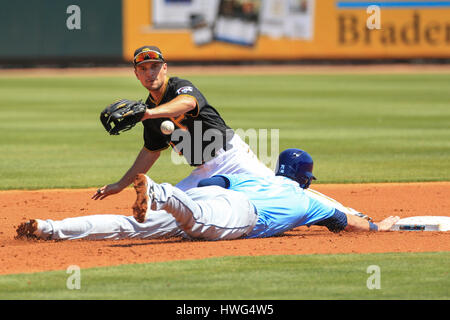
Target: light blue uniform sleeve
{"x":234,"y":179}
{"x":281,"y":203}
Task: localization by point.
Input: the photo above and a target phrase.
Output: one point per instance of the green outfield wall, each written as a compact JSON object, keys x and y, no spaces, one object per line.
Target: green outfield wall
{"x":60,"y":29}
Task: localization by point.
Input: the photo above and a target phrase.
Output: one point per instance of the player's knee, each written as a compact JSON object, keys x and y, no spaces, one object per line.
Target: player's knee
{"x":336,"y":223}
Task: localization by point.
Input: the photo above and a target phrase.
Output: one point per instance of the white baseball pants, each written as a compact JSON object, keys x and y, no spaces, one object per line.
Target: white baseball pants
{"x":110,"y":226}
{"x":209,"y":213}
{"x":239,"y":159}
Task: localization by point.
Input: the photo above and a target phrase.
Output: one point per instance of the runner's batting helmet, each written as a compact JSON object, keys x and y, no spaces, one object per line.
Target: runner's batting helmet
{"x":297,"y":165}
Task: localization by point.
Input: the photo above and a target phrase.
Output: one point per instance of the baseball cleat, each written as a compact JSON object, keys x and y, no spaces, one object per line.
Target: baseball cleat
{"x":28,"y":230}
{"x":144,"y":196}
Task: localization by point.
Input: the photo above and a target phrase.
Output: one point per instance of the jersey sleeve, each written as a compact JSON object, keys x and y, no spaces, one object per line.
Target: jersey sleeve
{"x":235,"y":179}
{"x":215,"y":181}
{"x":185,"y":87}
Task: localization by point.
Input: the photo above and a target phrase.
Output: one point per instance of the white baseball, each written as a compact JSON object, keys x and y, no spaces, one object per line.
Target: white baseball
{"x":167,"y":127}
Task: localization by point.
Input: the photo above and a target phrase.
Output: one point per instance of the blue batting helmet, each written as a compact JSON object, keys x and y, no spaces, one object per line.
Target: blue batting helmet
{"x":297,"y":165}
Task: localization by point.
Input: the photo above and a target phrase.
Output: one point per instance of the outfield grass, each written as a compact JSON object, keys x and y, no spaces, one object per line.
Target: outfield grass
{"x":342,"y":276}
{"x":359,"y":128}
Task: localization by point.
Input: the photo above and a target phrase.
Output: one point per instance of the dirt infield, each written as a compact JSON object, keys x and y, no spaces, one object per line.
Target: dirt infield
{"x":377,"y":200}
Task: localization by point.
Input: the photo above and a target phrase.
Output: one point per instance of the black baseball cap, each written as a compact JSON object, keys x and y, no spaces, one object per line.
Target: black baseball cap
{"x":147,"y":53}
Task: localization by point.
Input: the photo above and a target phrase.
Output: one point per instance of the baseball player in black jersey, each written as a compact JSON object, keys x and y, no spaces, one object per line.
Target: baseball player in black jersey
{"x":202,"y":117}
{"x":201,"y":135}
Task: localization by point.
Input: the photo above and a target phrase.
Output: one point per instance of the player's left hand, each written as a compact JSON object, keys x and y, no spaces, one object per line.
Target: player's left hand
{"x":122,"y":115}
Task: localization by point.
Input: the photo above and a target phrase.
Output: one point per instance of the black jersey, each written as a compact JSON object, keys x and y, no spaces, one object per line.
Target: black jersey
{"x":200,"y":127}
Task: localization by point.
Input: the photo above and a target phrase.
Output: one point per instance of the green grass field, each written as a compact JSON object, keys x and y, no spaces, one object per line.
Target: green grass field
{"x":358,"y":128}
{"x":402,"y":276}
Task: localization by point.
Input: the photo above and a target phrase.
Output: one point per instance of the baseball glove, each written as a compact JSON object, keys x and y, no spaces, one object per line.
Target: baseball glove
{"x":122,"y":115}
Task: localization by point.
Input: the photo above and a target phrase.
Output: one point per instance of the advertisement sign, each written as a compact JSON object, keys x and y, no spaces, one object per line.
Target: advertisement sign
{"x":215,"y":30}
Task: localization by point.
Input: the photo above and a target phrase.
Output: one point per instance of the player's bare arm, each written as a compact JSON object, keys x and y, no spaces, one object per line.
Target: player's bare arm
{"x":144,"y":161}
{"x":178,"y":106}
{"x":355,"y":224}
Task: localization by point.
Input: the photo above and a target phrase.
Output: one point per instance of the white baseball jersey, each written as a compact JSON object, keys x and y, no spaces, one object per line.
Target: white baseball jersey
{"x":239,"y":159}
